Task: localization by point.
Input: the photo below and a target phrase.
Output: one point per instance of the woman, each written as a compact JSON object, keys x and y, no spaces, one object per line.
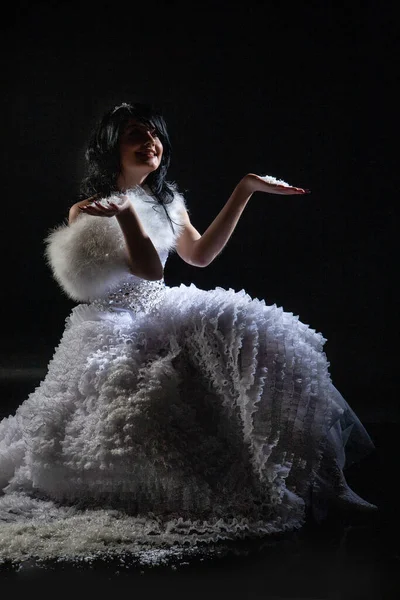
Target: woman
{"x":192,"y":415}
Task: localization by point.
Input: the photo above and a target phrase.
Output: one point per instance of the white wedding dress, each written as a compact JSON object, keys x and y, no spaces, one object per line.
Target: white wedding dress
{"x":169,"y":416}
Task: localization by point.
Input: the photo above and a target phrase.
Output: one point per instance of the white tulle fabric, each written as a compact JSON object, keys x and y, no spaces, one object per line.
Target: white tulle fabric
{"x":169,"y":415}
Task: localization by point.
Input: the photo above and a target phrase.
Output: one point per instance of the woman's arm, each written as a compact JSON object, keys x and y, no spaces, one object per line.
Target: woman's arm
{"x":200,"y":250}
{"x":144,"y":259}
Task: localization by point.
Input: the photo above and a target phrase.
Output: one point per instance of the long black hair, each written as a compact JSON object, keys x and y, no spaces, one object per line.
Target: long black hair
{"x":103,"y":154}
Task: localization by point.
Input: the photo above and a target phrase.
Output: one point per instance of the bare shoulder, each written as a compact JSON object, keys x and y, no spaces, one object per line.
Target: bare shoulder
{"x":74,"y":211}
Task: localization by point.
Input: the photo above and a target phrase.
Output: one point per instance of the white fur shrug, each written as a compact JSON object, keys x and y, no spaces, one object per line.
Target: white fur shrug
{"x":89,"y":258}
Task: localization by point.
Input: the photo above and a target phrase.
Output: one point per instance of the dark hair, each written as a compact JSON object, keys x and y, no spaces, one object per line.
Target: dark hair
{"x":103,"y":155}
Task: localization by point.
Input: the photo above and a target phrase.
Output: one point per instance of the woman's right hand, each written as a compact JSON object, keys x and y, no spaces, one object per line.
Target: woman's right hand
{"x":106,"y":207}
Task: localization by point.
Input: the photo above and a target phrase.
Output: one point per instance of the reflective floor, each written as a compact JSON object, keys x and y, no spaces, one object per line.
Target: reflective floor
{"x":346,"y":558}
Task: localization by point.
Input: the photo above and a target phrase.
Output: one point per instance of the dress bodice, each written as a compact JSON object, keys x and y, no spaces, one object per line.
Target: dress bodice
{"x":133,"y":293}
{"x":136,"y":296}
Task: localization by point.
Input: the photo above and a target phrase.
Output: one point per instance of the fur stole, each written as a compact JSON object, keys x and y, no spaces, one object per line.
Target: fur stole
{"x":89,"y":258}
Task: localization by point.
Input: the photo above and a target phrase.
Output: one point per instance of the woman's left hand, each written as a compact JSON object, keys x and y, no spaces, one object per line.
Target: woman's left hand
{"x":255,"y":183}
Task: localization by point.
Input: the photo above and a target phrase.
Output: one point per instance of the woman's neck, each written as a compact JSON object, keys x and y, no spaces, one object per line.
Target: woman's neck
{"x":129,"y":181}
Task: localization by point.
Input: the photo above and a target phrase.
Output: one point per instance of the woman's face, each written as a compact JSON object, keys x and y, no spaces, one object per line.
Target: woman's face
{"x":140,"y":149}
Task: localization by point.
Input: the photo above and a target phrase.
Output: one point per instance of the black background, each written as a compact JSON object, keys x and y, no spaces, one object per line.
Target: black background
{"x":304,"y":94}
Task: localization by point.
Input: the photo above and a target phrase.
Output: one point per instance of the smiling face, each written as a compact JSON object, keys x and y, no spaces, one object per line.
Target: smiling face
{"x":140,"y":153}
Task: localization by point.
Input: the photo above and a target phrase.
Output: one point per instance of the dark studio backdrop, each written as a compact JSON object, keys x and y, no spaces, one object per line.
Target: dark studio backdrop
{"x":306,"y":96}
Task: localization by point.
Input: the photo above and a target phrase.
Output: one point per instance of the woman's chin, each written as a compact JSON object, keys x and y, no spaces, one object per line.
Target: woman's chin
{"x":149,"y":164}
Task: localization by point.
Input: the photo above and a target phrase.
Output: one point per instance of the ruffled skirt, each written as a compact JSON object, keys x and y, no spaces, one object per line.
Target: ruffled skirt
{"x":208,"y":416}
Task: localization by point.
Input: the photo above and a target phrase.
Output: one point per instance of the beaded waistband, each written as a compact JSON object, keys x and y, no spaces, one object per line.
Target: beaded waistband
{"x":138,"y":296}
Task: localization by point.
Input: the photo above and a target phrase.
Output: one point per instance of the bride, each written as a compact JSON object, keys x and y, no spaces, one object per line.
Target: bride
{"x":168,"y":415}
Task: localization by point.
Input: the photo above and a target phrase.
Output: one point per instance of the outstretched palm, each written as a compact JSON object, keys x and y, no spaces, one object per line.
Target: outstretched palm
{"x":256,"y":183}
{"x":106,"y":208}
